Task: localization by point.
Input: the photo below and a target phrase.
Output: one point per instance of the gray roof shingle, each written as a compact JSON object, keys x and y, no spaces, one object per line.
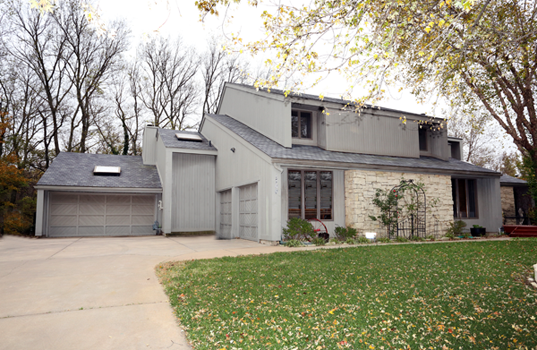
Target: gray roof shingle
{"x":510,"y":180}
{"x":170,"y":141}
{"x":76,"y":169}
{"x":298,"y":152}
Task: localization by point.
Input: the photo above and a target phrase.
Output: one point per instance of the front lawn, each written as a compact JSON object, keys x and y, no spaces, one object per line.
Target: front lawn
{"x":433,"y":296}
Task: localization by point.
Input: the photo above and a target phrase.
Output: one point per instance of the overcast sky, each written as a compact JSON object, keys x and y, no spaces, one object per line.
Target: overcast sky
{"x":181,"y":17}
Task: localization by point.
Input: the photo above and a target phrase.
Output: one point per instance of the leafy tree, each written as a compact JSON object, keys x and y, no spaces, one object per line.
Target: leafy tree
{"x":472,"y":52}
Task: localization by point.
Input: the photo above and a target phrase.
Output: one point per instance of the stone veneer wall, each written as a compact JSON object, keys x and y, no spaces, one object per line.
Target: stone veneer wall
{"x":508,"y":204}
{"x":360,"y":188}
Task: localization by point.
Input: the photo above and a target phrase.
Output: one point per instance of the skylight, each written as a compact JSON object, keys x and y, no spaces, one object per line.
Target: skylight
{"x":107,"y":170}
{"x":188,"y":137}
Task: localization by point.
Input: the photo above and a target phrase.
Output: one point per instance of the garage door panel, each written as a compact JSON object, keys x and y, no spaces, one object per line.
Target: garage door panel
{"x":143,"y":210}
{"x":118,"y":199}
{"x":61,"y":198}
{"x":83,"y":214}
{"x":145,"y":200}
{"x":63,"y":209}
{"x":122,"y":220}
{"x":63,"y":220}
{"x":64,"y":231}
{"x":91,"y":230}
{"x":142,"y":230}
{"x":91,"y":220}
{"x":248,"y":212}
{"x":91,"y":209}
{"x":225,"y":214}
{"x":91,"y":199}
{"x":118,"y":209}
{"x":118,"y":230}
{"x":142,"y":220}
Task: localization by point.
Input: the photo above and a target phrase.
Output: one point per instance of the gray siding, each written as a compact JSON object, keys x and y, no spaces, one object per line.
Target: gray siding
{"x":489,"y":205}
{"x":268,"y":114}
{"x":193,"y":193}
{"x":338,"y":198}
{"x":371,"y":134}
{"x":437,"y":144}
{"x":149,"y":145}
{"x":245,"y":166}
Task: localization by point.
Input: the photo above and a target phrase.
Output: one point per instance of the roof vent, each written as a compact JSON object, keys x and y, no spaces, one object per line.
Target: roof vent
{"x":182,"y":136}
{"x":107,"y":170}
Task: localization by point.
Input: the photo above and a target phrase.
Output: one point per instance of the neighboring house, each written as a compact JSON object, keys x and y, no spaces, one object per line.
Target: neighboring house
{"x":266,"y":157}
{"x":516,"y":200}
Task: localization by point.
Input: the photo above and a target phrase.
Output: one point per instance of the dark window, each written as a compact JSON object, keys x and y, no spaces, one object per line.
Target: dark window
{"x":301,"y":124}
{"x":464,"y":198}
{"x":310,"y":194}
{"x":423,"y":139}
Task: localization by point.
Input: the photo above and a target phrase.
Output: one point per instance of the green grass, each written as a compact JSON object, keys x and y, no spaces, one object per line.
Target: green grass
{"x":426,"y":296}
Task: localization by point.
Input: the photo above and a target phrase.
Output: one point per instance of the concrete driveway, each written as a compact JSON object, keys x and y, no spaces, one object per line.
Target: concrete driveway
{"x":96,"y":293}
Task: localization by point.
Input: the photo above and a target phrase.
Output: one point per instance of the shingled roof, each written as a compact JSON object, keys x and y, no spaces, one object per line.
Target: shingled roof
{"x":512,"y":181}
{"x":170,"y":140}
{"x":313,"y":153}
{"x":76,"y":169}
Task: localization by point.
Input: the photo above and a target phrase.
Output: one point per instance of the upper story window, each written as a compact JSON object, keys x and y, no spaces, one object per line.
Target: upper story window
{"x":301,"y":124}
{"x":423,"y":138}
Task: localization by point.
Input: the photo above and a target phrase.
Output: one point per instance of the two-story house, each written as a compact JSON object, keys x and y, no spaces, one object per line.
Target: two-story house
{"x":266,"y":157}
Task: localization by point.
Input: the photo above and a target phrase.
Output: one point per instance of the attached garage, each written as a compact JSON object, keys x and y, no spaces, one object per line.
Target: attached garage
{"x":225,"y":214}
{"x":83,"y":214}
{"x":84,"y":195}
{"x":248,"y":212}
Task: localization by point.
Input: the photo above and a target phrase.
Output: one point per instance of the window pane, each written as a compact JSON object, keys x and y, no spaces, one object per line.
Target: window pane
{"x":423,"y":139}
{"x":472,"y":213}
{"x":305,"y":125}
{"x":462,"y":198}
{"x":294,"y":183}
{"x":326,"y":195}
{"x":310,"y":194}
{"x":294,"y":123}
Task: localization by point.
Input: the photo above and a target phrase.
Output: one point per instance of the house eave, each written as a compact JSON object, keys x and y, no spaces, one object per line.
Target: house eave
{"x":98,"y":189}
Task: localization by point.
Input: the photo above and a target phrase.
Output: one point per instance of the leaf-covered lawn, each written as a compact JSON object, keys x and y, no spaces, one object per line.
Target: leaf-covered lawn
{"x":433,"y":296}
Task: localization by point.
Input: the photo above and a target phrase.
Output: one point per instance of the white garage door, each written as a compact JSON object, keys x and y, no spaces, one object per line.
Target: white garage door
{"x":248,"y":212}
{"x":73,"y":214}
{"x":225,"y":214}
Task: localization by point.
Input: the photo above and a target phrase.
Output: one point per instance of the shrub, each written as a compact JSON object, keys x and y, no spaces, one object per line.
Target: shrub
{"x":293,"y":243}
{"x":298,"y":229}
{"x":351,"y":241}
{"x":401,"y":239}
{"x":455,"y":228}
{"x":319,"y":241}
{"x":15,"y":223}
{"x":430,"y":237}
{"x":384,"y":240}
{"x":362,"y":240}
{"x":417,"y":239}
{"x":345,"y":233}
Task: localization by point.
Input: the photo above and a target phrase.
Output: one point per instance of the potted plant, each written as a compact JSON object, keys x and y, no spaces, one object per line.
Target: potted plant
{"x":477,"y":231}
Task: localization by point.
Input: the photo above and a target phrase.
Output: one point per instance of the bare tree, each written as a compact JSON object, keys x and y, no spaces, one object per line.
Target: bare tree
{"x":169,"y":90}
{"x":93,"y":58}
{"x":218,"y":68}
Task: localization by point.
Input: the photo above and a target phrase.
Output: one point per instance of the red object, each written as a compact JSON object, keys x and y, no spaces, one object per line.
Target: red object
{"x":318,"y":226}
{"x":520,"y":230}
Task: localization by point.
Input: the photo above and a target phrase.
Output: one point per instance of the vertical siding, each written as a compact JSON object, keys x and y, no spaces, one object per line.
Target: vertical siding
{"x":439,"y":144}
{"x":268,"y":115}
{"x":370,"y":134}
{"x":489,"y":205}
{"x":240,"y":168}
{"x":193,"y":193}
{"x":149,"y":145}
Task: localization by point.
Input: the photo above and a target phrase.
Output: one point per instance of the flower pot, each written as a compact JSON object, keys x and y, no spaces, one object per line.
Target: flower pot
{"x":477,"y":232}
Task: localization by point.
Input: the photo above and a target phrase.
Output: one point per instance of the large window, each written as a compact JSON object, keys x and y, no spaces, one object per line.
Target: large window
{"x":310,"y":194}
{"x":301,"y":124}
{"x":464,"y":192}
